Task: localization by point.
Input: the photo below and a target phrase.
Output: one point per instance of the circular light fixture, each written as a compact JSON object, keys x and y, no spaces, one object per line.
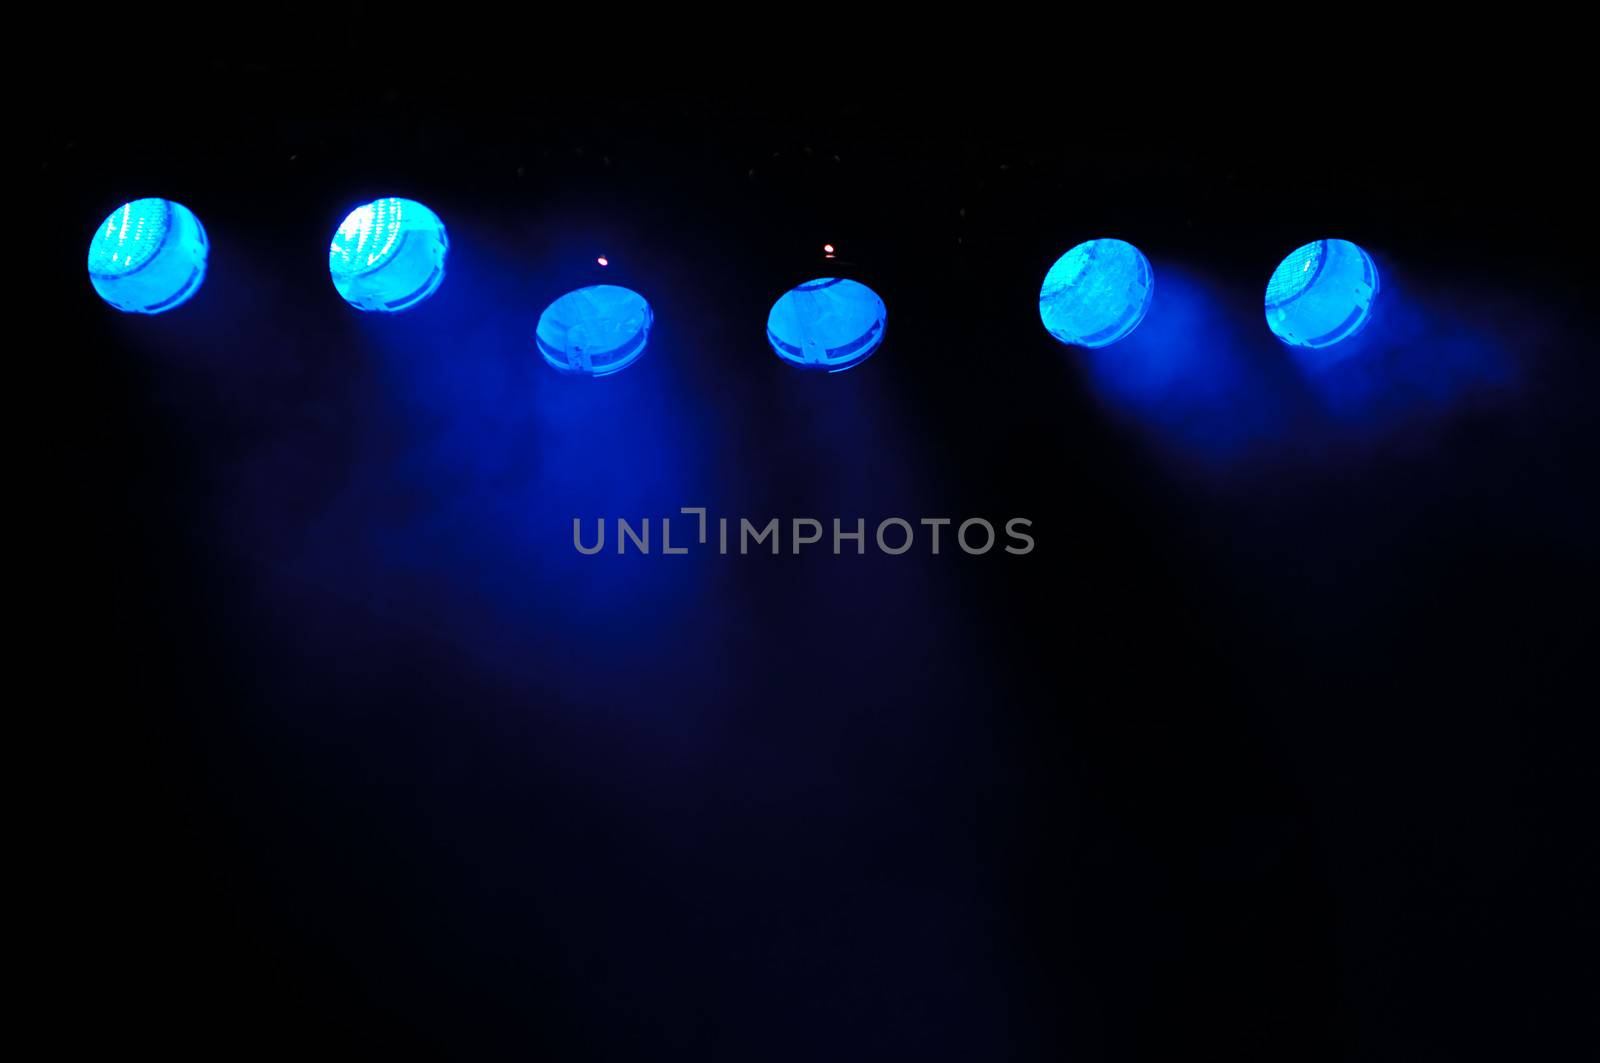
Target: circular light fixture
{"x":830,"y":324}
{"x":388,"y":255}
{"x":595,"y":331}
{"x":1321,"y":293}
{"x":148,"y":256}
{"x":1096,"y":293}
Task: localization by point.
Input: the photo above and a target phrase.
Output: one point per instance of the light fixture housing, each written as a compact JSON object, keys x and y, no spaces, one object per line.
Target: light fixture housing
{"x":1096,"y":293}
{"x":595,"y":331}
{"x":148,"y":256}
{"x":831,"y":324}
{"x":388,"y":255}
{"x":1321,"y":293}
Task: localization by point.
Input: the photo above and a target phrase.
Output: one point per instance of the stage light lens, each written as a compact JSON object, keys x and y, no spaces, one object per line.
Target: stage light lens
{"x":1321,"y":293}
{"x":388,"y":255}
{"x":1096,"y":293}
{"x":595,"y":331}
{"x":829,"y":324}
{"x":148,"y":256}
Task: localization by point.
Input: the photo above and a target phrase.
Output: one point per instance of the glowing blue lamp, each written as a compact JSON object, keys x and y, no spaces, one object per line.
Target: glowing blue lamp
{"x":1321,"y":293}
{"x":148,"y":256}
{"x":1096,"y":293}
{"x":594,"y":331}
{"x":829,"y":324}
{"x":388,"y":255}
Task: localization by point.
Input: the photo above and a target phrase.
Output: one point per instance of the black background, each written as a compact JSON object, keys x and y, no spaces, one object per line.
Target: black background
{"x":1276,"y":747}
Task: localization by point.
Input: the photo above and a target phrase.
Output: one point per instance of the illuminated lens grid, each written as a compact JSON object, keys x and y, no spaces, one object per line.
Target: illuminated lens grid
{"x":1295,"y":273}
{"x":130,"y":237}
{"x":367,"y":237}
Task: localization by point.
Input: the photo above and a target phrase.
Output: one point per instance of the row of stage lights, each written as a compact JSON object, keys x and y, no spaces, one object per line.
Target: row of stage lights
{"x":389,"y":255}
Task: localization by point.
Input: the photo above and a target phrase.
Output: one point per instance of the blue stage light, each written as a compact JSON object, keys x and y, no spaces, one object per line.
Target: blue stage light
{"x":1096,"y":293}
{"x":829,"y":324}
{"x":148,"y":256}
{"x":1321,"y":293}
{"x":388,"y":255}
{"x":595,"y":331}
